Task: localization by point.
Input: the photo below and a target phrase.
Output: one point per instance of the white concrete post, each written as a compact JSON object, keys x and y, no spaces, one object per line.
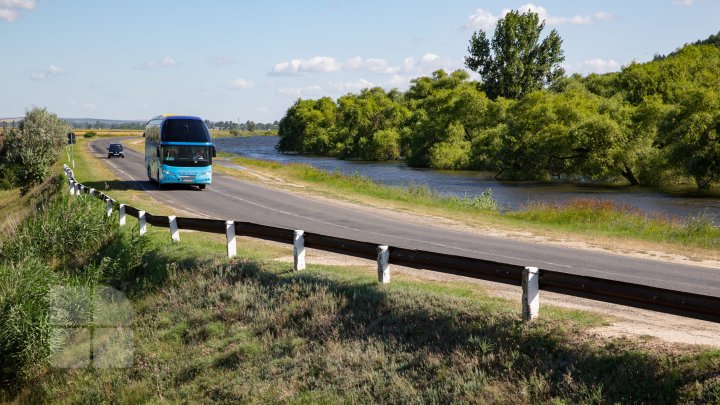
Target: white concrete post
{"x":230,"y":233}
{"x":142,"y":225}
{"x":77,"y":189}
{"x":92,"y":192}
{"x":383,"y":264}
{"x":174,"y":231}
{"x":72,"y":187}
{"x":122,"y":214}
{"x":530,"y":293}
{"x":108,"y":207}
{"x":299,"y":250}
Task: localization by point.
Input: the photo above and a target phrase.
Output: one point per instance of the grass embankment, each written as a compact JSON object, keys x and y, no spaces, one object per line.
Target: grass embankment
{"x":597,"y":221}
{"x":251,"y":330}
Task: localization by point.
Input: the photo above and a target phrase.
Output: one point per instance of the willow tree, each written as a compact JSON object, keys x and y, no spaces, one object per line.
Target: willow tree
{"x":516,"y":62}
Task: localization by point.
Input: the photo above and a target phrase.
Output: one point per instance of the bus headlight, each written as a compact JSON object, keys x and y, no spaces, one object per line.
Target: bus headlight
{"x":167,"y":173}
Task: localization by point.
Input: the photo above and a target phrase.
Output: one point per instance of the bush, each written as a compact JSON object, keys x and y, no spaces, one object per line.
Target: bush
{"x":34,"y":146}
{"x":90,"y":134}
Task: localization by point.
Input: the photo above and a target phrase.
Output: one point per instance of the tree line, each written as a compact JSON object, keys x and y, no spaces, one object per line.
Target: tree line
{"x":652,"y":123}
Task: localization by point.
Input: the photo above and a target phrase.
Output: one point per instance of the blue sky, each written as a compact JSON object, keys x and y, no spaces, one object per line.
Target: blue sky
{"x":228,"y":60}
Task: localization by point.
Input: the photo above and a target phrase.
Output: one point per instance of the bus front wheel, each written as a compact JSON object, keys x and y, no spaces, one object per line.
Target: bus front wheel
{"x":202,"y":186}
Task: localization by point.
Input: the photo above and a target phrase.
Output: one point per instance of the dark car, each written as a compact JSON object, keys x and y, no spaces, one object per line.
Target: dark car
{"x":115,"y":149}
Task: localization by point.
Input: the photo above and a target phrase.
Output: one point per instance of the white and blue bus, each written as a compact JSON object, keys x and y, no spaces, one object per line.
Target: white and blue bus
{"x":178,"y":150}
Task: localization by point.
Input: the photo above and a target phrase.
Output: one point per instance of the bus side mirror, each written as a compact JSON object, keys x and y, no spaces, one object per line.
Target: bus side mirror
{"x":159,"y":154}
{"x":143,"y":134}
{"x":214,"y":151}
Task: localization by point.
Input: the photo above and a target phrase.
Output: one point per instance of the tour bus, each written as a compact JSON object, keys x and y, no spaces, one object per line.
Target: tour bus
{"x":178,"y":150}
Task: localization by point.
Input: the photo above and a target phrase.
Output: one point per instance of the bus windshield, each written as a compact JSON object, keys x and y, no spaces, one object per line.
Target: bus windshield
{"x":186,"y":156}
{"x":182,"y":130}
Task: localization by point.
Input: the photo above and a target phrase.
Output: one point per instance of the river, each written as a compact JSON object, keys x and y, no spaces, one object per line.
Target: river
{"x":509,"y":194}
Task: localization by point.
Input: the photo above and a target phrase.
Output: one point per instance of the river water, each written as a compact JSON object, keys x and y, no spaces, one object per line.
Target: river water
{"x":511,"y":195}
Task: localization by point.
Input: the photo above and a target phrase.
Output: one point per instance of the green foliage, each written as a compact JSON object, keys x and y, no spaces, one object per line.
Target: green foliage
{"x":447,"y":109}
{"x":654,"y":124}
{"x":308,"y":127}
{"x":90,"y":134}
{"x":24,"y":322}
{"x":692,"y":136}
{"x":515,"y":63}
{"x":60,"y":234}
{"x":50,"y":248}
{"x":34,"y":146}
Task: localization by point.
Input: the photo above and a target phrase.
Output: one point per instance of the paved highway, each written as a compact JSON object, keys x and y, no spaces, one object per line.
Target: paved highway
{"x":233,"y":199}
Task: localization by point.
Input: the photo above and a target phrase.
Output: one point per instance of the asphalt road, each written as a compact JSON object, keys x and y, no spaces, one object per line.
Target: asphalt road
{"x":233,"y":199}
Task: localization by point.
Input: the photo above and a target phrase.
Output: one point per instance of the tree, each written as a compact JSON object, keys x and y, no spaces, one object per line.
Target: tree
{"x":515,"y":63}
{"x":250,"y":125}
{"x":447,"y":109}
{"x":692,"y":137}
{"x":308,"y":127}
{"x":34,"y":146}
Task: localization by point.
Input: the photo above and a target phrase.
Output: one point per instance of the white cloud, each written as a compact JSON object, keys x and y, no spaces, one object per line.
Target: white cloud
{"x":321,"y":64}
{"x":485,"y":20}
{"x":354,"y":86}
{"x":239,"y":84}
{"x":686,"y":3}
{"x":326,"y":64}
{"x":596,"y":65}
{"x":481,"y":19}
{"x":9,"y":8}
{"x":47,"y":73}
{"x":162,"y":63}
{"x":307,"y":92}
{"x":370,"y":65}
{"x":429,"y":63}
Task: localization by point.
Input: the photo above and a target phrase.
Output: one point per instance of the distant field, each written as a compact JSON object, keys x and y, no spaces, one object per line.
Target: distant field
{"x":111,"y":132}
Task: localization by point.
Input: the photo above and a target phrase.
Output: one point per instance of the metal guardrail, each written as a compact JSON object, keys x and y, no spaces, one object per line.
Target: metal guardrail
{"x":691,"y":305}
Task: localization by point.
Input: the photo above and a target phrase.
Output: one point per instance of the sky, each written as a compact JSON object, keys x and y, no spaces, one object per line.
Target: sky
{"x":242,"y":60}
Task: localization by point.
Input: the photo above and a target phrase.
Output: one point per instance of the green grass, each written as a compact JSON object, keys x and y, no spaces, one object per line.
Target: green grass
{"x":250,"y":330}
{"x":608,"y":218}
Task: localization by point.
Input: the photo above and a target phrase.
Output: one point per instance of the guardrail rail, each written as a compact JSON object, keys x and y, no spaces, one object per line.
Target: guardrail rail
{"x":532,"y":279}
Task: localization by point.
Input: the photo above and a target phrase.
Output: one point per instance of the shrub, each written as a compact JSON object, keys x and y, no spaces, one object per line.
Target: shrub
{"x":34,"y":146}
{"x":90,"y":134}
